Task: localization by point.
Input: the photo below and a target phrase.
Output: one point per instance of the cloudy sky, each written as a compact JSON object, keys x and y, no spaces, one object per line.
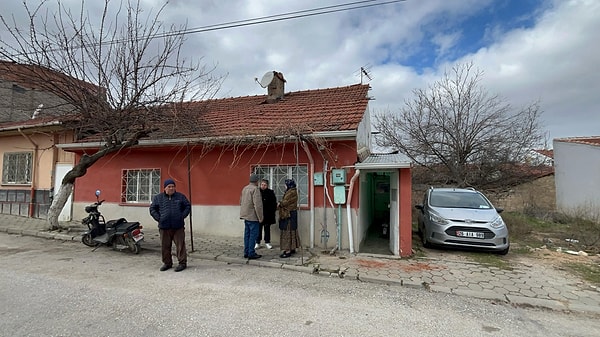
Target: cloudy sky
{"x":529,"y":50}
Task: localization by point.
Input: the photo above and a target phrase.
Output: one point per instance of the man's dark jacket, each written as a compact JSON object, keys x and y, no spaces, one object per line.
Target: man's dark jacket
{"x":169,"y":211}
{"x":269,"y":205}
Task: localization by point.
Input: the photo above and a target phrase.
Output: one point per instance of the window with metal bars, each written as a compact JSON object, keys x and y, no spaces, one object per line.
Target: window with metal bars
{"x":139,"y":186}
{"x":277,"y":174}
{"x":16,"y":168}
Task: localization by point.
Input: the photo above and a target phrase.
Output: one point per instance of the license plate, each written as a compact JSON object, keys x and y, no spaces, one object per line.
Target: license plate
{"x":138,"y":237}
{"x":464,"y":234}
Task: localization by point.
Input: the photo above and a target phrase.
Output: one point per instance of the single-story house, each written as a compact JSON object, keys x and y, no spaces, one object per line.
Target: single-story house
{"x":577,"y":175}
{"x":321,"y":138}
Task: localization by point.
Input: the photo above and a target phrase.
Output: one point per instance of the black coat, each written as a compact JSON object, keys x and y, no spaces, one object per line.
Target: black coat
{"x":269,"y":206}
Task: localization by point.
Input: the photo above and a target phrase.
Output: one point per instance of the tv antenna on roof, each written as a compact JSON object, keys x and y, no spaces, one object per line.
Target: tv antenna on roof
{"x":364,"y":72}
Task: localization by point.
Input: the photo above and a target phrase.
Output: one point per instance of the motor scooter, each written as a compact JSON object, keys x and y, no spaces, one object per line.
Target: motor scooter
{"x":118,"y":233}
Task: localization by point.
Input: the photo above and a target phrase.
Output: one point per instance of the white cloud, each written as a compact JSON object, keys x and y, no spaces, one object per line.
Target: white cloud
{"x":555,"y":60}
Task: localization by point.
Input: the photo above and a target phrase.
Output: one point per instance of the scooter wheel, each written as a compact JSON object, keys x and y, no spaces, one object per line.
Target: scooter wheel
{"x":88,"y":241}
{"x":133,"y":246}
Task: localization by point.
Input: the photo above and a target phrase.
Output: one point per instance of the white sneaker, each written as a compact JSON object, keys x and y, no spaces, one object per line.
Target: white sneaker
{"x":256,"y":246}
{"x":269,"y":246}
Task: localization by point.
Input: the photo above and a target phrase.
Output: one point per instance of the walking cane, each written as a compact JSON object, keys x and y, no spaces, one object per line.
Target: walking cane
{"x":301,"y":247}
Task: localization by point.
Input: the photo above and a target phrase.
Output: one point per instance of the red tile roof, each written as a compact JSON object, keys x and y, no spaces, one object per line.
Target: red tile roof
{"x":37,"y":77}
{"x":545,"y":152}
{"x":321,"y":110}
{"x":594,"y":140}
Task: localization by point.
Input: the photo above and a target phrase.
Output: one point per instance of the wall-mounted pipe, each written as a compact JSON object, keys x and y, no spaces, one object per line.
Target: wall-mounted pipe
{"x":349,"y":210}
{"x":311,"y":188}
{"x":33,"y":172}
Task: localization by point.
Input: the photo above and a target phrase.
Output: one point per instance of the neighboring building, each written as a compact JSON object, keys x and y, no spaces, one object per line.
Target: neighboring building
{"x":577,"y":176}
{"x":537,"y":157}
{"x":321,"y":138}
{"x":31,"y":164}
{"x":23,"y":96}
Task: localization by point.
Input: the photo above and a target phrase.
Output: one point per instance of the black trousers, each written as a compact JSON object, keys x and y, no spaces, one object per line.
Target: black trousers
{"x":267,"y":229}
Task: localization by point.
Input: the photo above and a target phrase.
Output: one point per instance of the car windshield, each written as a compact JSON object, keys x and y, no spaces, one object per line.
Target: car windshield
{"x":458,"y":199}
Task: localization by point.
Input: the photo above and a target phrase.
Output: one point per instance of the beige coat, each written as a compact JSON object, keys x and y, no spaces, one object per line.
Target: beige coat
{"x":251,"y":206}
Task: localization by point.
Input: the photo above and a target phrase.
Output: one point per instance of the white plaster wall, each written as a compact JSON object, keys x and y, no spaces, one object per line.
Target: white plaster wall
{"x":225,"y":221}
{"x":577,"y":178}
{"x":363,"y":133}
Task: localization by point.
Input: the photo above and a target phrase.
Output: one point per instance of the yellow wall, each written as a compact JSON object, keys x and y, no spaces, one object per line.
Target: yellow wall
{"x":45,"y":156}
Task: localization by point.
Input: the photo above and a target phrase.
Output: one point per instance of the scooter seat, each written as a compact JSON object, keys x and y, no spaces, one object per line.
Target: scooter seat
{"x":115,"y":223}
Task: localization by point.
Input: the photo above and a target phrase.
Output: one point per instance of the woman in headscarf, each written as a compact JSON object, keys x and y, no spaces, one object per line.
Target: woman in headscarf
{"x":288,"y":220}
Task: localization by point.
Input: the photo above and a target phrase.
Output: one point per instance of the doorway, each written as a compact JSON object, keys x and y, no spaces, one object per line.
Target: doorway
{"x":378,"y":210}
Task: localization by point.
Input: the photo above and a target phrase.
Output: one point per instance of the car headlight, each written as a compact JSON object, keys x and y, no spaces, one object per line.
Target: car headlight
{"x":497,"y":223}
{"x":438,"y":219}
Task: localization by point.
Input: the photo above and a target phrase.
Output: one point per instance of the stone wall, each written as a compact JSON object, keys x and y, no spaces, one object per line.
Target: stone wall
{"x":538,"y":195}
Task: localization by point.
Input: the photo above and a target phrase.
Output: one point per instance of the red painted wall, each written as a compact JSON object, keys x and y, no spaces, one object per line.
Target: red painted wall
{"x":405,"y":209}
{"x":217,"y":177}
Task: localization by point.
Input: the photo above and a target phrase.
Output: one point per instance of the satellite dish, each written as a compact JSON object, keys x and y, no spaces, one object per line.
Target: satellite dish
{"x":266,"y":79}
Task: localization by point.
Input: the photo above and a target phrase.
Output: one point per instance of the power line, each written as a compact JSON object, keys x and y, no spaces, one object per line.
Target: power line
{"x":256,"y":21}
{"x":284,"y":16}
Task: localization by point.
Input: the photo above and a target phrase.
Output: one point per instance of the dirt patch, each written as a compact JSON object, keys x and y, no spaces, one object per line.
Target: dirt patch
{"x":411,"y":266}
{"x":555,"y":257}
{"x":419,"y":266}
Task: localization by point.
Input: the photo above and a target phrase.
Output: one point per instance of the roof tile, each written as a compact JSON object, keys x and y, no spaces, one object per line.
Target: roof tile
{"x":321,"y":110}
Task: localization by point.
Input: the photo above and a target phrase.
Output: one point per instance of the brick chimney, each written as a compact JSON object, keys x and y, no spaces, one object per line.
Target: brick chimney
{"x":275,"y":88}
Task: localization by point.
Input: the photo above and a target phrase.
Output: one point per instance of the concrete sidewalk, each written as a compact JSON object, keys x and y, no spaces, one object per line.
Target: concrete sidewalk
{"x":522,"y":285}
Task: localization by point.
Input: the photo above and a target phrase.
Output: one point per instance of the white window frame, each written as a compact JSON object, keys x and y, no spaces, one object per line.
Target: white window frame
{"x":17,"y":168}
{"x":277,"y":174}
{"x":140,"y":185}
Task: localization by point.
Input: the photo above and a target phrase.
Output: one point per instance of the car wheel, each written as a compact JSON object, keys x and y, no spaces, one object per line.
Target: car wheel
{"x":424,"y":240}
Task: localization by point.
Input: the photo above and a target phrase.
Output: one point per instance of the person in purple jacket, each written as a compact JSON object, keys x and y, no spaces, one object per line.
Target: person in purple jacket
{"x":169,"y":209}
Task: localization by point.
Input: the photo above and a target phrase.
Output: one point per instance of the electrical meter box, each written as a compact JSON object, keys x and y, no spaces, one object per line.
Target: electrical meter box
{"x":339,"y":194}
{"x":338,"y":176}
{"x":318,"y":179}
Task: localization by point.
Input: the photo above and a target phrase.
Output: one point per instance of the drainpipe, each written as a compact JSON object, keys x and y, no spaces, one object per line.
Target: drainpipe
{"x":33,"y":172}
{"x":311,"y":194}
{"x":349,"y":209}
{"x":189,"y":172}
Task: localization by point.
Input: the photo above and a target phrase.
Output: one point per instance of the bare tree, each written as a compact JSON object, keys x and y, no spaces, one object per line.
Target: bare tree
{"x":122,"y":68}
{"x":457,"y":128}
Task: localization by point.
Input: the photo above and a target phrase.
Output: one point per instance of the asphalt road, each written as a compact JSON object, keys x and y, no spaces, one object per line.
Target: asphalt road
{"x":53,"y":288}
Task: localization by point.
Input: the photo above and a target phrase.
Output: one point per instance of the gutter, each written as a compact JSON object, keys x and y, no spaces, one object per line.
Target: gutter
{"x":183,"y":141}
{"x":20,"y":127}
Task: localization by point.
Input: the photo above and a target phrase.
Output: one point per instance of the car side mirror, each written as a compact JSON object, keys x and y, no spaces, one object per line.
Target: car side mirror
{"x":499,"y":210}
{"x":419,"y":207}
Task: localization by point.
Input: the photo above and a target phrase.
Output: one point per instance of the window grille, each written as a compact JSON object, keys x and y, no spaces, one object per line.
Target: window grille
{"x":16,"y":168}
{"x":277,"y":174}
{"x":139,"y":186}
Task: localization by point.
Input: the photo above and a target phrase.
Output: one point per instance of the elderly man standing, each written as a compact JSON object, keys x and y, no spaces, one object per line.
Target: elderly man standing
{"x":251,"y":211}
{"x":169,"y":209}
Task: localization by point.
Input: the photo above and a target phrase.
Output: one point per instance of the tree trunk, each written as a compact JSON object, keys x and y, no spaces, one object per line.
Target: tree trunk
{"x":57,"y":205}
{"x":67,"y":183}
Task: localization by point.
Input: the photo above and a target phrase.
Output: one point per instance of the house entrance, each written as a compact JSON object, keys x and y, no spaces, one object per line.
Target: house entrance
{"x":377,"y":235}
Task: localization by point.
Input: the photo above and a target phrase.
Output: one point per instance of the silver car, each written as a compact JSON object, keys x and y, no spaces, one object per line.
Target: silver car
{"x":461,"y":217}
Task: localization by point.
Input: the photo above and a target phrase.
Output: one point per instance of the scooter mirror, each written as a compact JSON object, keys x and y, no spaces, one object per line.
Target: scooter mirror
{"x":97,"y":193}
